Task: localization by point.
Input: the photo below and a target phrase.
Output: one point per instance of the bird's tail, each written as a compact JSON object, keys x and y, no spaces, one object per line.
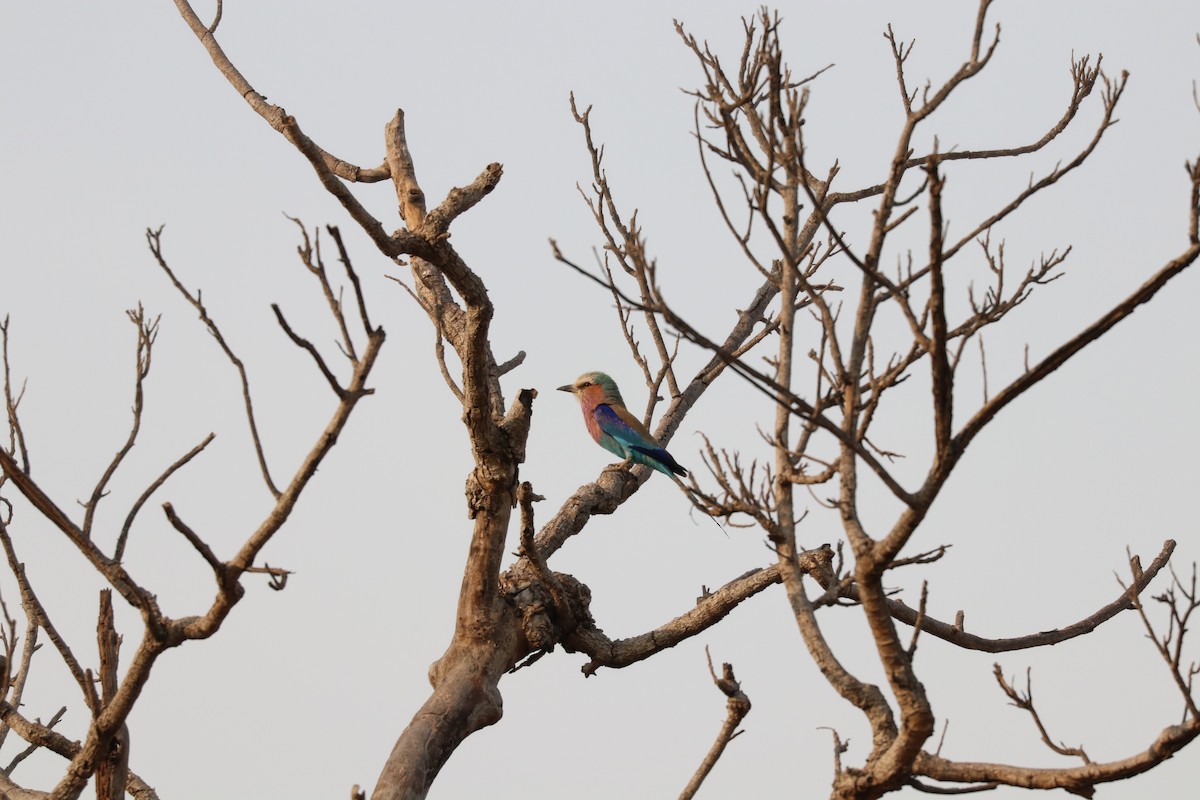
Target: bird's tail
{"x":699,"y":502}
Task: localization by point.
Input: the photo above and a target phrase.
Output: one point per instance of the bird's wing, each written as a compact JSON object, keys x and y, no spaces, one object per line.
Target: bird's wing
{"x":624,"y":427}
{"x":624,"y":435}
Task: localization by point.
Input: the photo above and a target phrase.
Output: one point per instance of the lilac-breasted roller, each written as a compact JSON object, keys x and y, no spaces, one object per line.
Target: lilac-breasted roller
{"x":614,"y":428}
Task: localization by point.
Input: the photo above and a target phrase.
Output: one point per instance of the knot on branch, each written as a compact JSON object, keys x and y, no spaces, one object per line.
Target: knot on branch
{"x":550,"y":605}
{"x":487,"y":493}
{"x":477,"y":495}
{"x":819,"y":564}
{"x":738,"y":704}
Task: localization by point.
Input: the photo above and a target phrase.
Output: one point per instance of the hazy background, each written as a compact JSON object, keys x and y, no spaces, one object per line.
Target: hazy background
{"x":116,"y":120}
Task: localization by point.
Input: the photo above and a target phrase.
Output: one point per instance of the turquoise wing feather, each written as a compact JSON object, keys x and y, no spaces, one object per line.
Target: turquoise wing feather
{"x":624,"y":435}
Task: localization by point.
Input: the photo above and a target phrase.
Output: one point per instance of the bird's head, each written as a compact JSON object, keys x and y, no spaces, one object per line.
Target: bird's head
{"x":594,"y":388}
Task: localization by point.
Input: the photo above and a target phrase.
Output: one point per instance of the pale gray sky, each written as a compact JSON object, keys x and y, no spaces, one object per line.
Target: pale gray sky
{"x":115,"y":120}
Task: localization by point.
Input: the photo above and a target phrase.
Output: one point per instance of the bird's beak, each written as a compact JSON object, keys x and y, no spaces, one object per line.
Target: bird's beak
{"x":567,"y":388}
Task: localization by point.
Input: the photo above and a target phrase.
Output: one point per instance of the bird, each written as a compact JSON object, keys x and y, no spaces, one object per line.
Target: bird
{"x":617,"y":430}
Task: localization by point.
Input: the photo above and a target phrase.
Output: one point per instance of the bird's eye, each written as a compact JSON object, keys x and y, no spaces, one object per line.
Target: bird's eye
{"x":585,"y":384}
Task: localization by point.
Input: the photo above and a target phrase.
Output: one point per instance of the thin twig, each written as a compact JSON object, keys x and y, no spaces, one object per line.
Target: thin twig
{"x":16,"y":434}
{"x":36,"y":611}
{"x":218,"y":566}
{"x":154,"y":239}
{"x":305,"y":344}
{"x":1024,"y":701}
{"x":147,"y":332}
{"x":119,"y":552}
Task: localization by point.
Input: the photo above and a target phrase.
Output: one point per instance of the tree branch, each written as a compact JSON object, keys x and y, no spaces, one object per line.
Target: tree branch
{"x":736,"y":709}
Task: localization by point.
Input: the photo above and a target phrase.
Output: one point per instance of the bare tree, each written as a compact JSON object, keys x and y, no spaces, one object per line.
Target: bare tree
{"x":751,"y":116}
{"x":821,"y":282}
{"x":104,"y":753}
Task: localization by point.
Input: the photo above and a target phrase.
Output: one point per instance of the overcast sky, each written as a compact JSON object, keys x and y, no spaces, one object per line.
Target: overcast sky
{"x":116,"y":120}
